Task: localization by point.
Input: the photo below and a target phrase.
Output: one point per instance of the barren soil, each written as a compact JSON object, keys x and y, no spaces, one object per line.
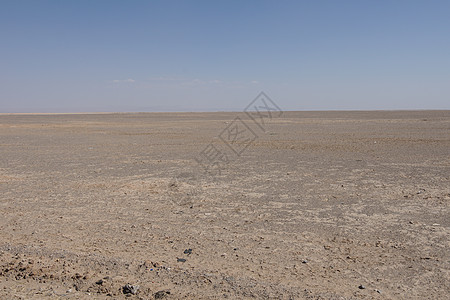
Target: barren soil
{"x":321,"y":205}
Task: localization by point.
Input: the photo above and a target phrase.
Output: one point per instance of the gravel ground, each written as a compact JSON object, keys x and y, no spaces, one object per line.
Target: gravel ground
{"x":313,"y":205}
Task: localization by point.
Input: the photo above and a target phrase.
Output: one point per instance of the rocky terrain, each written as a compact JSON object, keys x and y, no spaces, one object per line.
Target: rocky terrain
{"x":314,"y":205}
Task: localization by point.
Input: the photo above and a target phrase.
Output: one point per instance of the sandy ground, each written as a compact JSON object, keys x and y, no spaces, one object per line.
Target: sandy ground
{"x":320,"y":205}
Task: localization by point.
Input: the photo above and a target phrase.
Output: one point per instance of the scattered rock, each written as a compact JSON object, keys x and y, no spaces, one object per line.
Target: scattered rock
{"x":304,"y":261}
{"x":181,"y":260}
{"x":361,"y":287}
{"x":188,"y":251}
{"x":99,"y":282}
{"x":130,"y":289}
{"x":378,"y":291}
{"x":161,"y":294}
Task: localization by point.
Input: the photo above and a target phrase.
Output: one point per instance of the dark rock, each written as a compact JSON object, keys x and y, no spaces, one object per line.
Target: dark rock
{"x":161,"y":294}
{"x":361,"y":287}
{"x":188,"y":251}
{"x":130,"y":289}
{"x":181,"y":260}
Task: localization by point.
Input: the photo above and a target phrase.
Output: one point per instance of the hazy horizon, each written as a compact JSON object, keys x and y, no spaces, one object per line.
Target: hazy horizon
{"x":215,"y":111}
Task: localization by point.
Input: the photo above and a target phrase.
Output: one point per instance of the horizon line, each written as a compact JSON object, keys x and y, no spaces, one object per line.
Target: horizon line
{"x":218,"y":111}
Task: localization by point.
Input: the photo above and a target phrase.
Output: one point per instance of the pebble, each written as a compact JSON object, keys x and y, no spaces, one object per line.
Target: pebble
{"x":361,"y":287}
{"x":181,"y":260}
{"x":188,"y":251}
{"x":130,"y":289}
{"x":161,"y":294}
{"x":304,"y":261}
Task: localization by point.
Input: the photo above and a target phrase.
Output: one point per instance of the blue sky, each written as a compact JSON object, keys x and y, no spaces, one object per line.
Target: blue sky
{"x":74,"y":56}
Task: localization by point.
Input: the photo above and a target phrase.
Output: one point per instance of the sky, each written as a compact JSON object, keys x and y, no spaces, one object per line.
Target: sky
{"x":113,"y":56}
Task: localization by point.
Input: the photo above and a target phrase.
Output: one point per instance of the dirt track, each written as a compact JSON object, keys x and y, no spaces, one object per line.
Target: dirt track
{"x":323,"y":205}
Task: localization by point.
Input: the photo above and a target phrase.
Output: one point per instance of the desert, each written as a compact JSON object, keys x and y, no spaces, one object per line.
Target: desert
{"x":318,"y":205}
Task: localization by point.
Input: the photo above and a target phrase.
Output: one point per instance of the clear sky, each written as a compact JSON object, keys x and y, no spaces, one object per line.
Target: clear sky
{"x":72,"y":56}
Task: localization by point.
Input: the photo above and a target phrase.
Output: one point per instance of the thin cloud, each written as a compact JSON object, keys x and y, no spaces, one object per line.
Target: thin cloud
{"x":165,"y":78}
{"x":123,"y":80}
{"x":184,"y":81}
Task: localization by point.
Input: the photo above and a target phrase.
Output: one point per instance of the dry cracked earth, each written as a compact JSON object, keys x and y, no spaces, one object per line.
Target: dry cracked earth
{"x":320,"y":205}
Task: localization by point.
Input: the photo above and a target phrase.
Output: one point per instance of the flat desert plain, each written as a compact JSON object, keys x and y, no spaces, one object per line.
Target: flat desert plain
{"x":318,"y":205}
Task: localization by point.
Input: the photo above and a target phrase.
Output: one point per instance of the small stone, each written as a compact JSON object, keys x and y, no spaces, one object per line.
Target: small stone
{"x":130,"y":289}
{"x":181,"y":260}
{"x":161,"y":294}
{"x":304,"y":261}
{"x":361,"y":287}
{"x":99,"y":282}
{"x":378,"y":291}
{"x":188,"y":251}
